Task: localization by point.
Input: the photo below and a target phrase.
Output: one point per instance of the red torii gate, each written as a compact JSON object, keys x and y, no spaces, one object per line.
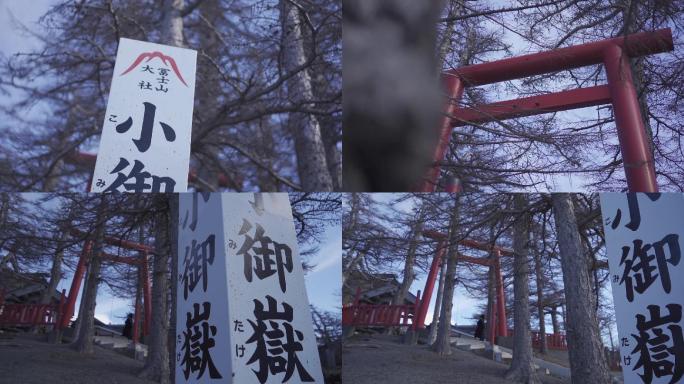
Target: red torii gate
{"x":398,"y":315}
{"x":614,"y":54}
{"x":140,"y":262}
{"x":497,"y":315}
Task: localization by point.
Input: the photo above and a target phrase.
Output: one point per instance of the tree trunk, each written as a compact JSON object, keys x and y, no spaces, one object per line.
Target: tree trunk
{"x":491,"y":302}
{"x":138,"y":308}
{"x":173,"y":22}
{"x":442,"y":345}
{"x":350,"y":267}
{"x":56,"y":269}
{"x":311,"y":157}
{"x":554,"y":320}
{"x":55,"y":277}
{"x":53,"y":175}
{"x":522,"y":366}
{"x":86,"y":329}
{"x":432,"y":337}
{"x":173,"y":242}
{"x":587,"y":362}
{"x":209,"y":96}
{"x":329,"y":132}
{"x":452,"y":8}
{"x":540,"y":298}
{"x":81,"y":306}
{"x":157,"y":363}
{"x":333,"y":154}
{"x":408,"y":275}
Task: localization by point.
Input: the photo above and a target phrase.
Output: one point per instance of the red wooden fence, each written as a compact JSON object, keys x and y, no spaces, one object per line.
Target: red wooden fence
{"x":30,"y":314}
{"x":381,"y":315}
{"x":553,"y":340}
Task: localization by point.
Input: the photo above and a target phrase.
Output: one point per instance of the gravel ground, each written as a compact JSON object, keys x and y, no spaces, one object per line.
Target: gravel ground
{"x":383,"y":359}
{"x":29,"y":361}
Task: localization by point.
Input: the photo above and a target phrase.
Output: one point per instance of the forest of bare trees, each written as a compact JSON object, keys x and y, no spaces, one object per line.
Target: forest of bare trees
{"x":267,"y":101}
{"x":565,"y":151}
{"x":558,"y":272}
{"x":45,"y":233}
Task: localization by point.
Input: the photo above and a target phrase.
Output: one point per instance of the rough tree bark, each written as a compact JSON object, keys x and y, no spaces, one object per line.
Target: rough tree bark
{"x":408,"y":274}
{"x":491,"y":301}
{"x":77,"y":323}
{"x":55,"y":277}
{"x":522,"y":367}
{"x":554,"y":320}
{"x":157,"y":363}
{"x":311,"y":157}
{"x":587,"y":362}
{"x":173,"y":22}
{"x":540,"y":297}
{"x":209,"y":96}
{"x":56,"y":269}
{"x":432,"y":337}
{"x":350,"y":267}
{"x":86,"y":325}
{"x":442,"y":345}
{"x":173,"y":242}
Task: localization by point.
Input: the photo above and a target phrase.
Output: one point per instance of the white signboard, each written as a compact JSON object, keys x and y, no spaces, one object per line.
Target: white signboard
{"x":644,"y":238}
{"x":145,"y":142}
{"x":271,"y":338}
{"x":203,"y":347}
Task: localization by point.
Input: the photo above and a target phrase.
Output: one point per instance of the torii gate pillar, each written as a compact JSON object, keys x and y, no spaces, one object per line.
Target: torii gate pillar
{"x":430,"y":283}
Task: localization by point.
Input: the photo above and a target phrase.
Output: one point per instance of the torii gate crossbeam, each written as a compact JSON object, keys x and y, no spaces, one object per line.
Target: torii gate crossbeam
{"x":614,"y":54}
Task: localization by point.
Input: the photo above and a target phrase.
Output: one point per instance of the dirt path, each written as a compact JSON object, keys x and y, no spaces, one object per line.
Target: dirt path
{"x":382,"y":359}
{"x":29,"y":361}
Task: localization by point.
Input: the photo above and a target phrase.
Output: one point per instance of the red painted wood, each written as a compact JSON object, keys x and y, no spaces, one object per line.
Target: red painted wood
{"x":635,"y":45}
{"x":535,"y":105}
{"x":634,"y":144}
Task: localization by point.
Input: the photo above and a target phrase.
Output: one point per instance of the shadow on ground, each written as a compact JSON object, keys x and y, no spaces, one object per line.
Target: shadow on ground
{"x":383,"y":359}
{"x":29,"y":360}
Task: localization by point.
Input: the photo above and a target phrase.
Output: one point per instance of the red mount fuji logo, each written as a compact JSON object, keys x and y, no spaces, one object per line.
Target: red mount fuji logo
{"x":151,"y":55}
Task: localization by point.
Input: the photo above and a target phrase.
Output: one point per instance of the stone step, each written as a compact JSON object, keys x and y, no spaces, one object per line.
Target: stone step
{"x":467,"y":344}
{"x":505,"y":355}
{"x":121,"y":344}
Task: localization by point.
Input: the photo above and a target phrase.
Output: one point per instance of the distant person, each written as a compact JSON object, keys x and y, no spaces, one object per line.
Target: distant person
{"x":479,"y":329}
{"x":128,"y":327}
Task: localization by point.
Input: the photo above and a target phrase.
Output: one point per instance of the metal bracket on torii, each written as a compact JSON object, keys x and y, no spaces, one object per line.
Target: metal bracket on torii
{"x":614,"y":54}
{"x":497,"y":313}
{"x":142,"y":264}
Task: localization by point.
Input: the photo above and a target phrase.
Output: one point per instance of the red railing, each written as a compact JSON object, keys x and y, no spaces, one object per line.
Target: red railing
{"x":380,"y":315}
{"x":553,"y":340}
{"x":30,"y":314}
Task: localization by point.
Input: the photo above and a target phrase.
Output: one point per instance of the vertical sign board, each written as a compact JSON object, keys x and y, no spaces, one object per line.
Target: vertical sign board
{"x":145,"y":142}
{"x":271,"y":326}
{"x":269,"y":333}
{"x":644,"y":239}
{"x":203,"y":347}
